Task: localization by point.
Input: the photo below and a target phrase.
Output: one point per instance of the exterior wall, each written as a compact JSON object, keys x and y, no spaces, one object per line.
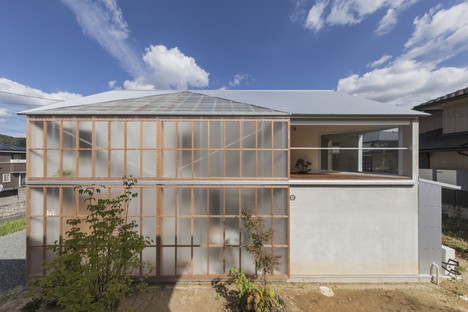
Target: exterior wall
{"x":448,"y":160}
{"x":354,"y":231}
{"x":456,"y":116}
{"x":432,"y":122}
{"x":430,"y":226}
{"x":14,"y":167}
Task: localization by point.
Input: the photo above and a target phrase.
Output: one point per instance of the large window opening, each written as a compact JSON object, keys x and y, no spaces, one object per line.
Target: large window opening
{"x":368,"y":150}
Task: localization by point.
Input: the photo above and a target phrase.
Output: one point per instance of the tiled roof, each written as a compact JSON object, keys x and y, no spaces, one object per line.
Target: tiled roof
{"x":435,"y":140}
{"x":10,"y":147}
{"x":459,"y":94}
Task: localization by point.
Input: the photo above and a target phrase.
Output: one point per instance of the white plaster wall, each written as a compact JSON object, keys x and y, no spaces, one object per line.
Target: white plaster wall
{"x":354,"y":231}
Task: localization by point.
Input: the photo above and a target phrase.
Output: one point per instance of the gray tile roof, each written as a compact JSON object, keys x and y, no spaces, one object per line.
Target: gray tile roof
{"x":10,"y":147}
{"x":224,"y":102}
{"x":453,"y":96}
{"x":435,"y":140}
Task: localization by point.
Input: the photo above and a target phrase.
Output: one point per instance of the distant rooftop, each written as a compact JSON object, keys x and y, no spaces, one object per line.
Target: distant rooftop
{"x":223,"y":103}
{"x":9,"y":147}
{"x":434,"y":104}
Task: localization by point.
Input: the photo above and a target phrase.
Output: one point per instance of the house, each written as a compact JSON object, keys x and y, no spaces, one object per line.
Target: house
{"x":201,"y":156}
{"x":444,"y":147}
{"x":12,"y":168}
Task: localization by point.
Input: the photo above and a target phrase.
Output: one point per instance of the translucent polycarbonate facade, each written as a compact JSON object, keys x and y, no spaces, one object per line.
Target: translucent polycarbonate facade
{"x":158,"y":149}
{"x":185,"y":204}
{"x":195,"y":231}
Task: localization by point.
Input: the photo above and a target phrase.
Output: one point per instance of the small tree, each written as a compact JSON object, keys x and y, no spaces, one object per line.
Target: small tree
{"x":252,"y":296}
{"x":265,"y":262}
{"x":92,"y":269}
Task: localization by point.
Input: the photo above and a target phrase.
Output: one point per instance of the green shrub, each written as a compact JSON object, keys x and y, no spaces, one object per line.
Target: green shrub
{"x":92,"y":269}
{"x":252,"y":297}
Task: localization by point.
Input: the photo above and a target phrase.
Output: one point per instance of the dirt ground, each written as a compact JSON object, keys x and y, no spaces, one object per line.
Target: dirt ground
{"x":202,"y":296}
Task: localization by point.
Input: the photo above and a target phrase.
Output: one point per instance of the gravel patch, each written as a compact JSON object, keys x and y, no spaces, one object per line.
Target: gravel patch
{"x":12,"y":261}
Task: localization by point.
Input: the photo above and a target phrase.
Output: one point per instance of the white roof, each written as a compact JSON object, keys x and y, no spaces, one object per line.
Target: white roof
{"x":294,"y":102}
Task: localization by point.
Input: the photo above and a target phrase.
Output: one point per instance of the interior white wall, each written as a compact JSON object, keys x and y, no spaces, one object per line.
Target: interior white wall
{"x":354,"y":231}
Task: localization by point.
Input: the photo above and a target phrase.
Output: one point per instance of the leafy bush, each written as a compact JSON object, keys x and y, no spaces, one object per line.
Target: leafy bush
{"x":92,"y":269}
{"x":252,"y":296}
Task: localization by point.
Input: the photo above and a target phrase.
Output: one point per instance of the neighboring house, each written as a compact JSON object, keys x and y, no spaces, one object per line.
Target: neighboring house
{"x":201,"y":156}
{"x":444,"y":146}
{"x":12,"y":168}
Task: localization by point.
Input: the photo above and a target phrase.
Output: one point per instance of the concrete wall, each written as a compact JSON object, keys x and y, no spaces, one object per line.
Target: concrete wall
{"x":354,"y":231}
{"x":13,"y":205}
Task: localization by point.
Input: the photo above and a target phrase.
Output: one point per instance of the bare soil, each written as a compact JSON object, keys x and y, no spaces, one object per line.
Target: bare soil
{"x":203,"y":296}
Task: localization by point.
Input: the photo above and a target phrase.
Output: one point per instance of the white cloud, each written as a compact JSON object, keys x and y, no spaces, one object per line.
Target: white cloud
{"x":350,"y":12}
{"x":315,"y":19}
{"x":161,"y":67}
{"x":238,"y":79}
{"x":377,"y":63}
{"x":387,"y":22}
{"x":419,"y":74}
{"x":4,"y":114}
{"x":102,"y":21}
{"x":169,"y":68}
{"x":14,"y":93}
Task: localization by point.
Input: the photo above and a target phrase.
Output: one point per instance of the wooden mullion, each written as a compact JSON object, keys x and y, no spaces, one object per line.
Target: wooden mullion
{"x":158,"y":230}
{"x":208,"y":149}
{"x":177,"y":150}
{"x":61,"y":234}
{"x":77,"y":146}
{"x":288,"y":133}
{"x":125,"y":149}
{"x":44,"y":228}
{"x":176,"y":219}
{"x":109,"y":147}
{"x":272,"y":149}
{"x":44,"y":146}
{"x":208,"y":222}
{"x":288,"y":237}
{"x":141,"y":228}
{"x":93,"y":146}
{"x":224,"y":150}
{"x":192,"y":226}
{"x":193,"y":153}
{"x":141,"y":150}
{"x":224,"y":228}
{"x":256,"y":149}
{"x":159,"y":146}
{"x":28,"y":220}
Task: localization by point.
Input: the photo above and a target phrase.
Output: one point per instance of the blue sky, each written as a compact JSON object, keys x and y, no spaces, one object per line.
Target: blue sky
{"x":402,"y":52}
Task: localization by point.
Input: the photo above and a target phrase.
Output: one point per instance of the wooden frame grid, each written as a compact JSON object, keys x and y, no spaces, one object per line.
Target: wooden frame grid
{"x":210,"y":152}
{"x":207,"y":242}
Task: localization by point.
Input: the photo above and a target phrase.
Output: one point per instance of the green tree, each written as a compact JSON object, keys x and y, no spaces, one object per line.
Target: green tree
{"x":253,"y":297}
{"x":92,"y":269}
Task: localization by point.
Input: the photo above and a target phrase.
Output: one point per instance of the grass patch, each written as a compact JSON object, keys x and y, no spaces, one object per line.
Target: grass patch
{"x":455,"y":235}
{"x":12,"y":226}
